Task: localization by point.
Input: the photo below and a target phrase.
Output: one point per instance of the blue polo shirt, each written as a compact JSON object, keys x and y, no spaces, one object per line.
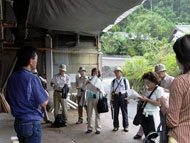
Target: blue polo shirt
{"x":25,"y":93}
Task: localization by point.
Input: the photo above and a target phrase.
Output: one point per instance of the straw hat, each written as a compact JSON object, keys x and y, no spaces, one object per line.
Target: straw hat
{"x":118,"y":69}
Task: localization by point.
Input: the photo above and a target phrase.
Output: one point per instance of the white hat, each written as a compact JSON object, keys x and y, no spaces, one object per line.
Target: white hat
{"x":118,"y":69}
{"x":160,"y":68}
{"x":82,"y":69}
{"x":35,"y":71}
{"x":62,"y":67}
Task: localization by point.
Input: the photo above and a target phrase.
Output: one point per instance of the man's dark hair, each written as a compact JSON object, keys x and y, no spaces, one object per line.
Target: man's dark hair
{"x":24,"y":54}
{"x":153,"y":77}
{"x":97,"y":70}
{"x":182,"y":51}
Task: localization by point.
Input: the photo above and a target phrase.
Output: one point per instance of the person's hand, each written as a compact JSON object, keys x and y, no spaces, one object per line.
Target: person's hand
{"x":88,"y":82}
{"x":127,"y":101}
{"x":52,"y":84}
{"x":66,"y":84}
{"x":143,"y":98}
{"x":78,"y":88}
{"x":98,"y":89}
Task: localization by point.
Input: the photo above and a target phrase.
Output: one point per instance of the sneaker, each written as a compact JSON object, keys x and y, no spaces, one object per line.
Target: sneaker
{"x":89,"y":131}
{"x":79,"y":121}
{"x":97,"y":132}
{"x":115,"y":129}
{"x":126,"y":129}
{"x":136,"y":137}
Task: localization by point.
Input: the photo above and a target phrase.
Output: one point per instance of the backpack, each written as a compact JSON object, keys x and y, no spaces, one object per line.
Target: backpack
{"x":59,"y":121}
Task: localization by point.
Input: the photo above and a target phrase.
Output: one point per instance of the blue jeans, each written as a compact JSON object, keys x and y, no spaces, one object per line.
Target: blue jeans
{"x":28,"y":132}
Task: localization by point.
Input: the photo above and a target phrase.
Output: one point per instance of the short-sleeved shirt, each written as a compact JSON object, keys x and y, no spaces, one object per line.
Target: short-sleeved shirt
{"x":121,"y":87}
{"x":25,"y":93}
{"x":158,"y":93}
{"x":59,"y":81}
{"x":166,"y":82}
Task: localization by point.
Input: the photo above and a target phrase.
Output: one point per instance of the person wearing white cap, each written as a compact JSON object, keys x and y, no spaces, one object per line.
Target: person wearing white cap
{"x":80,"y":83}
{"x":119,"y":87}
{"x":58,"y":82}
{"x":166,"y":80}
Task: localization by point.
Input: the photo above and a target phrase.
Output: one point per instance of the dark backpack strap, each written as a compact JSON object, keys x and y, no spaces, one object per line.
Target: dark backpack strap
{"x":124,"y":79}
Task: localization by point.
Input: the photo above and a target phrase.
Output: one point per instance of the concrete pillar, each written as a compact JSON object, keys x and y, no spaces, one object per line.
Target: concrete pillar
{"x":49,"y":60}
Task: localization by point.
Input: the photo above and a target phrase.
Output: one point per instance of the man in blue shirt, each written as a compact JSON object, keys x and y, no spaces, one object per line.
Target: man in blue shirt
{"x":26,"y":96}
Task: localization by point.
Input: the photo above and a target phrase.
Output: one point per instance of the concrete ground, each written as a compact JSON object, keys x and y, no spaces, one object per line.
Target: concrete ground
{"x":73,"y":133}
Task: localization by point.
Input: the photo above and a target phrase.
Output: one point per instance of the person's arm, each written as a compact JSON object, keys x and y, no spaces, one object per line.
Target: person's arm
{"x":44,"y":81}
{"x":39,"y":93}
{"x":52,"y":83}
{"x":175,"y":103}
{"x":153,"y":102}
{"x":68,"y":82}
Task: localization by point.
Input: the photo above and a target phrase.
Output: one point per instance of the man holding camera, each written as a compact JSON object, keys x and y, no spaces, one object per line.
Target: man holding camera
{"x":119,"y":87}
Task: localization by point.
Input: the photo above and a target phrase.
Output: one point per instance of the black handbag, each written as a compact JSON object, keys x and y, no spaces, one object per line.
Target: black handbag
{"x":65,"y":91}
{"x":138,"y":117}
{"x":102,"y":106}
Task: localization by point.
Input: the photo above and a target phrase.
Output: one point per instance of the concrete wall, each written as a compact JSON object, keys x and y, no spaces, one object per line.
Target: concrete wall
{"x":73,"y":61}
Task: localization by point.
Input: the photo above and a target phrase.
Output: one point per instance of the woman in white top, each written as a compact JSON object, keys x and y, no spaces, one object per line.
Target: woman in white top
{"x":151,"y":114}
{"x":95,"y":89}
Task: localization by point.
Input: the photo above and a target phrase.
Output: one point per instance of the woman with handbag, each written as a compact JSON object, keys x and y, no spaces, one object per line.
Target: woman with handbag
{"x":151,"y":99}
{"x":94,"y":90}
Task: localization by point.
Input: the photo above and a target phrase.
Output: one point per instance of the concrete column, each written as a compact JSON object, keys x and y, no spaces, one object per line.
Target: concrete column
{"x":49,"y":60}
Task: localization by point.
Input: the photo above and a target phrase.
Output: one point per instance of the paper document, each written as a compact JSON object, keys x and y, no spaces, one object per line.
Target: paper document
{"x":132,"y":94}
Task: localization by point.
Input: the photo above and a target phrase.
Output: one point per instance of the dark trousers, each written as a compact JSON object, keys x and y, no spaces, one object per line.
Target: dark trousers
{"x":148,"y":124}
{"x":29,"y":132}
{"x":120,"y":102}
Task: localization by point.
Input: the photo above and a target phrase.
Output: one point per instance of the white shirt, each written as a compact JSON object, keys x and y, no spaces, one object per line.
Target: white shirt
{"x":121,"y":88}
{"x":59,"y":81}
{"x":158,"y":93}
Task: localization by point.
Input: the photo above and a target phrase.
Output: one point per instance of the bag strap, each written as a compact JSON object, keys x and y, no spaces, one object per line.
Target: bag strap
{"x":144,"y":104}
{"x":124,"y":79}
{"x":117,"y":84}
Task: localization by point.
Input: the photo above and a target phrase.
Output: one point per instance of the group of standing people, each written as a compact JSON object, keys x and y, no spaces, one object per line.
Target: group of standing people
{"x":27,"y":96}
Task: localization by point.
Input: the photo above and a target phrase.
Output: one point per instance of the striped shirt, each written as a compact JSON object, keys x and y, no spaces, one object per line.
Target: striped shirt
{"x":178,"y":114}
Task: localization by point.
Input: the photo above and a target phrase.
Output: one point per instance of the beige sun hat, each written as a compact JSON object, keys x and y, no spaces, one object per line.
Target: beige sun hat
{"x":62,"y":67}
{"x":160,"y":68}
{"x":118,"y":69}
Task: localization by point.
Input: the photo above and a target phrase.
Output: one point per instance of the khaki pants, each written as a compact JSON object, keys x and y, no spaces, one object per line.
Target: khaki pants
{"x":80,"y":108}
{"x":58,"y":100}
{"x":92,"y":104}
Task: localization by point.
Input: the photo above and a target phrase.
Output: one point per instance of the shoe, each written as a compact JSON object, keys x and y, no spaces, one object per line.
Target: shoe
{"x":136,"y":137}
{"x":48,"y":122}
{"x":79,"y":122}
{"x":89,"y":131}
{"x":126,"y":129}
{"x":97,"y":132}
{"x":115,"y":129}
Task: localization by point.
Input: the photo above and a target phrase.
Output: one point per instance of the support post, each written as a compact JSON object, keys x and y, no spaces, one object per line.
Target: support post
{"x":49,"y":60}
